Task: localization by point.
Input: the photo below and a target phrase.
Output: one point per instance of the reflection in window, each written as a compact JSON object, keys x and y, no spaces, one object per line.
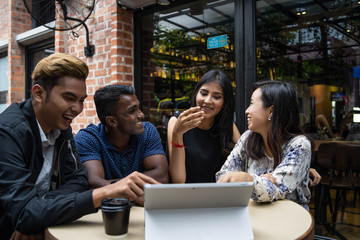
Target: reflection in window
{"x":175,"y":54}
{"x":41,"y":17}
{"x":34,"y":53}
{"x":316,"y":46}
{"x":4,"y":82}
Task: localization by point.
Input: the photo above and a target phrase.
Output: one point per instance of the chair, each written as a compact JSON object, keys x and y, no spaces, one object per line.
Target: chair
{"x":325,"y":155}
{"x":353,"y":152}
{"x":347,"y":153}
{"x":339,"y":161}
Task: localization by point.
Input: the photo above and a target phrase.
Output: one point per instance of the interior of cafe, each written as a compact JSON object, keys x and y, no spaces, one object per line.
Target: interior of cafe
{"x":313,"y":44}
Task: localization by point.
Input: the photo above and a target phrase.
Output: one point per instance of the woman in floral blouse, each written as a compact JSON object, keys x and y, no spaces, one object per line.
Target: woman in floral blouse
{"x":273,"y":153}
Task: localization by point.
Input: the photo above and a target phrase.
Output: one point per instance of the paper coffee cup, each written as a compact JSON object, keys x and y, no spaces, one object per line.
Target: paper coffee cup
{"x":116,"y":213}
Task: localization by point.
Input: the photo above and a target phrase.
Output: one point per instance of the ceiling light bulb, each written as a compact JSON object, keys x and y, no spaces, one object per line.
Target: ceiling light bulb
{"x":163,"y":2}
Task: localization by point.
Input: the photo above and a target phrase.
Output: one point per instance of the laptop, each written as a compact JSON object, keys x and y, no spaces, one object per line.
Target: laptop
{"x":198,"y":211}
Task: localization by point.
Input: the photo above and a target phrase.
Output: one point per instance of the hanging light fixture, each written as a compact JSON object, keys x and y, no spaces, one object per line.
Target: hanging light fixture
{"x":163,"y":2}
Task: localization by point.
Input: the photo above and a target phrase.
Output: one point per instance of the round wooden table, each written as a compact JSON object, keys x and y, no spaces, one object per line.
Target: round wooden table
{"x":278,"y":220}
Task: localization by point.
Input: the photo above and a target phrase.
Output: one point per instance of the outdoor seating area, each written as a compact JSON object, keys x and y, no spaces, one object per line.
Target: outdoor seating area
{"x":349,"y":228}
{"x":179,"y":119}
{"x":336,"y":202}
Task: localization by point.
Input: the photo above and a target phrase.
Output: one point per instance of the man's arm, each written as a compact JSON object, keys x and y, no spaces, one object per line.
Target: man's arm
{"x":130,"y":187}
{"x":96,"y":174}
{"x":29,"y":213}
{"x":156,"y":166}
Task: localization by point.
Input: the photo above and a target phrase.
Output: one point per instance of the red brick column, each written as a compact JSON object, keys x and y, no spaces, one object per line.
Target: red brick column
{"x":111,"y":31}
{"x":17,"y":20}
{"x":122,"y":47}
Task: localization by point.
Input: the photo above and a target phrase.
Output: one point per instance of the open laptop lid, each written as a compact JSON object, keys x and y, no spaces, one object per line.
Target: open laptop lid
{"x":198,"y":211}
{"x":197,"y":195}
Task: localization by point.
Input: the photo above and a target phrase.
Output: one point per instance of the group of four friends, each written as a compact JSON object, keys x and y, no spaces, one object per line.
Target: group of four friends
{"x":49,"y":177}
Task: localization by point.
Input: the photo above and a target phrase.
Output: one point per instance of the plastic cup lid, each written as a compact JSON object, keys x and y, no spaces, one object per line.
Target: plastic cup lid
{"x":113,"y":203}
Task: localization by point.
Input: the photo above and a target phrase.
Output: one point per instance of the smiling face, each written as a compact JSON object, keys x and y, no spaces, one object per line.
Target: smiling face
{"x":210,"y":98}
{"x":129,"y":116}
{"x":61,"y":105}
{"x":257,"y":115}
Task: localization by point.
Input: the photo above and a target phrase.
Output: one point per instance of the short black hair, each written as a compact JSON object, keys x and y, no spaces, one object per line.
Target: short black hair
{"x":106,"y":99}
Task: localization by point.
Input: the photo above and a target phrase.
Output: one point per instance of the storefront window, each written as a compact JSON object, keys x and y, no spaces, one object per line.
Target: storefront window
{"x":42,"y":11}
{"x":178,"y":47}
{"x":4,"y":81}
{"x":35,"y":53}
{"x":315,"y":45}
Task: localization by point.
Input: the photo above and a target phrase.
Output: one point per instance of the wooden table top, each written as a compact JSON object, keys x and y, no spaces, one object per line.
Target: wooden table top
{"x":283,"y":219}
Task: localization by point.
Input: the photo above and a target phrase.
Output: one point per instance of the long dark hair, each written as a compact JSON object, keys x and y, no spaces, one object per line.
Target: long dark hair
{"x":285,"y":119}
{"x":224,"y":119}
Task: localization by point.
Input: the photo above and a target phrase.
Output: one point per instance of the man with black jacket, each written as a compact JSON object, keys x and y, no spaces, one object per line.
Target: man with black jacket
{"x":42,"y":182}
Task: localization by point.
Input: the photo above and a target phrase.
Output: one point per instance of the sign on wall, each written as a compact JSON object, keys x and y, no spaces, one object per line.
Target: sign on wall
{"x":336,"y":96}
{"x":217,"y":42}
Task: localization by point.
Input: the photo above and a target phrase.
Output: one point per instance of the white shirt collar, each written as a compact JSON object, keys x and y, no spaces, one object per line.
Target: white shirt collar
{"x":50,"y":138}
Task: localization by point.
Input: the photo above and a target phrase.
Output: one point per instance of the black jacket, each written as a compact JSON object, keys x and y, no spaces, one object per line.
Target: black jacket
{"x":21,"y":160}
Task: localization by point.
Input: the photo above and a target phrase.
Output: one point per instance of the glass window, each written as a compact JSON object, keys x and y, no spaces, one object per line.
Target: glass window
{"x":178,"y":47}
{"x":34,"y":53}
{"x":42,"y":11}
{"x":315,"y":45}
{"x":4,"y":82}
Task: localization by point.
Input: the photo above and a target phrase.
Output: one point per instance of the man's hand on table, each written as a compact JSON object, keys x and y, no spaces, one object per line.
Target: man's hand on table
{"x":130,"y":187}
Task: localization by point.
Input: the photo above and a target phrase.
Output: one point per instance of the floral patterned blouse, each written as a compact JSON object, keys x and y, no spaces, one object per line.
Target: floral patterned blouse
{"x":292,"y":174}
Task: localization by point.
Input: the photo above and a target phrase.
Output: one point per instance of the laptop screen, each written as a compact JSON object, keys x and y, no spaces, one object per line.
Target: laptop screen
{"x":197,"y":195}
{"x":198,"y":211}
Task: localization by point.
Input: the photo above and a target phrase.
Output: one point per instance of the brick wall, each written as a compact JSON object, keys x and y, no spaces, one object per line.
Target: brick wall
{"x":4,"y":19}
{"x":111,"y":31}
{"x":16,"y":20}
